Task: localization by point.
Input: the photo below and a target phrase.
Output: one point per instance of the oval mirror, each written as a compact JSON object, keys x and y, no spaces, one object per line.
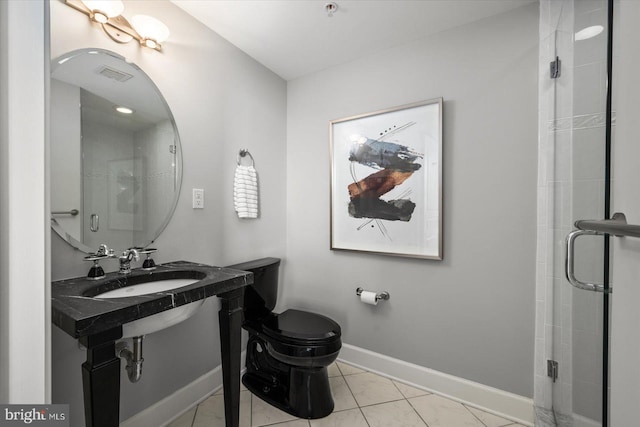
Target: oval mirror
{"x":116,"y":165}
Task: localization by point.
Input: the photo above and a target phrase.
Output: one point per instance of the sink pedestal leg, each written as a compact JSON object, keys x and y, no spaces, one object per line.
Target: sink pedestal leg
{"x":230,"y":317}
{"x":101,"y":379}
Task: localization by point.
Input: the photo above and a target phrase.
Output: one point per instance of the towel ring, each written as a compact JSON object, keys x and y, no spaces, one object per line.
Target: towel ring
{"x":244,"y":152}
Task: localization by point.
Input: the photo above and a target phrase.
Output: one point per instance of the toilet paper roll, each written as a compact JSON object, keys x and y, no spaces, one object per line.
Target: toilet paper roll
{"x":368,"y":298}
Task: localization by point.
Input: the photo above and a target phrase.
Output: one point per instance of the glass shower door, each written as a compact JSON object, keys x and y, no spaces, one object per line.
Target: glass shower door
{"x":579,"y":192}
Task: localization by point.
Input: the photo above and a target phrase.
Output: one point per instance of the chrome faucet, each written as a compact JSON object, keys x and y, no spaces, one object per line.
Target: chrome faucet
{"x":126,"y":258}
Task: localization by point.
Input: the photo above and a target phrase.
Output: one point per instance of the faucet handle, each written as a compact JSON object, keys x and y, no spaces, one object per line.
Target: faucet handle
{"x":103,"y":250}
{"x":145,"y":251}
{"x":149,"y":263}
{"x":96,"y":271}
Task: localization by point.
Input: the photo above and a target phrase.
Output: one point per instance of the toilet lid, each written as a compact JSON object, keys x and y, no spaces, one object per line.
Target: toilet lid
{"x":299,"y":325}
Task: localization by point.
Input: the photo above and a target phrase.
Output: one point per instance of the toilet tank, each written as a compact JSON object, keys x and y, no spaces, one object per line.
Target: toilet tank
{"x":260,"y":298}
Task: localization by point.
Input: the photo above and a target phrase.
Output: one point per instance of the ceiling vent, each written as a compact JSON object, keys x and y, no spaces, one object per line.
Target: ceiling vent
{"x":114,"y":74}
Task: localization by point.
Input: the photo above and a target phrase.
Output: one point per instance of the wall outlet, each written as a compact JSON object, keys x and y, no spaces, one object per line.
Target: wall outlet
{"x":198,"y":198}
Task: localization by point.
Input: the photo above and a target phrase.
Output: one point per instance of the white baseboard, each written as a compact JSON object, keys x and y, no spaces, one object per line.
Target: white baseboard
{"x":173,"y":406}
{"x":489,"y":399}
{"x":580,"y":421}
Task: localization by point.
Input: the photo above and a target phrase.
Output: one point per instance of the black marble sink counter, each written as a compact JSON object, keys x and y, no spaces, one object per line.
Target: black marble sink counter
{"x":75,"y":310}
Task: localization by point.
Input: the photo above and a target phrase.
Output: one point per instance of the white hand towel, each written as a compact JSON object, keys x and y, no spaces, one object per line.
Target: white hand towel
{"x":245,"y":192}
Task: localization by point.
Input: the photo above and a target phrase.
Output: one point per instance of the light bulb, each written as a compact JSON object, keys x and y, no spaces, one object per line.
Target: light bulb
{"x":150,"y":29}
{"x":150,"y":43}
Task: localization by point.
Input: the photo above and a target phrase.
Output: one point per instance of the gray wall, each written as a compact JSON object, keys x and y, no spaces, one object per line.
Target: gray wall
{"x":472,"y":314}
{"x":625,"y":316}
{"x":24,"y":272}
{"x":66,"y":165}
{"x":222,"y":101}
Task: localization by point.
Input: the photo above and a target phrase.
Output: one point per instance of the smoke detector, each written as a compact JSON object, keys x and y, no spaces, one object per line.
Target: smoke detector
{"x":331,"y":8}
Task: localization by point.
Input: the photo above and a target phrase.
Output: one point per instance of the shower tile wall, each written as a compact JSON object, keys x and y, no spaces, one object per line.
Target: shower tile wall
{"x":156,"y":144}
{"x":151,"y":149}
{"x":554,"y":194}
{"x":102,"y":141}
{"x":570,"y":187}
{"x":589,"y":107}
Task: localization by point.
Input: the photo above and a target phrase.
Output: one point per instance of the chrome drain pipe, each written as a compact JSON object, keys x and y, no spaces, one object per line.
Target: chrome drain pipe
{"x":134,"y":358}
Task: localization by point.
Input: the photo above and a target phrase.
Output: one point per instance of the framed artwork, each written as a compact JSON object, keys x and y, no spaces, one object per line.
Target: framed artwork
{"x":386,"y":181}
{"x":126,"y":204}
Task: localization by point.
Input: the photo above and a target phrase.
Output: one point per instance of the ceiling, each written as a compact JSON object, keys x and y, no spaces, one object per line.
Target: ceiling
{"x":297,"y":37}
{"x":108,"y":81}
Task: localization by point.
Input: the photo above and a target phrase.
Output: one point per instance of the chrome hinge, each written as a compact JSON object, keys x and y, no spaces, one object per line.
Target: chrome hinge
{"x":554,"y":68}
{"x":552,"y":370}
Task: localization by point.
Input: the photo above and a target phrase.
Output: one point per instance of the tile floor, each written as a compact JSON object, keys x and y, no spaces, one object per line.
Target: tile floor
{"x":362,"y":399}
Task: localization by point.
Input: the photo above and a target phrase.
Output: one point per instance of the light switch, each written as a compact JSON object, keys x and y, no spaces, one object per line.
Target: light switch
{"x":198,"y":198}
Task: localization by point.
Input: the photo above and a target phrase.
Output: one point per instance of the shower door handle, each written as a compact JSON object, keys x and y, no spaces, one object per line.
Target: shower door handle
{"x":570,"y":264}
{"x":94,"y":222}
{"x":615,"y":226}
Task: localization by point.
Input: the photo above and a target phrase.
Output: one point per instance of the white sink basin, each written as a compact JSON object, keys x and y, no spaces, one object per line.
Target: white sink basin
{"x":147,"y":288}
{"x":159,"y":321}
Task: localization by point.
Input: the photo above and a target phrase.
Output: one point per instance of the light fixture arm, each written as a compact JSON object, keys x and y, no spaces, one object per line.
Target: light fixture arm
{"x":118,"y":28}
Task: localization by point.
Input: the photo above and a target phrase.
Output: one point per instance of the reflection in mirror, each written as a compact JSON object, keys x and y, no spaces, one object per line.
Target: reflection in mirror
{"x":115,"y":153}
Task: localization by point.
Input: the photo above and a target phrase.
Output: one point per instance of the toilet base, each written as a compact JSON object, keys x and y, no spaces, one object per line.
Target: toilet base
{"x":300,"y":391}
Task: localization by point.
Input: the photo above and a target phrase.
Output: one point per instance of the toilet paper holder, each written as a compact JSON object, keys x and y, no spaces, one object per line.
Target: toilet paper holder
{"x":381,"y":295}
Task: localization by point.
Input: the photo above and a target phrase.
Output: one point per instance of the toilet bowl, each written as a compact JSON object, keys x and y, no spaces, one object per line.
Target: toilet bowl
{"x":287,"y":353}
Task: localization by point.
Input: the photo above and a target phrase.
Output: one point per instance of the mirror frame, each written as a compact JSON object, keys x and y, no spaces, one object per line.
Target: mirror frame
{"x":178,"y":142}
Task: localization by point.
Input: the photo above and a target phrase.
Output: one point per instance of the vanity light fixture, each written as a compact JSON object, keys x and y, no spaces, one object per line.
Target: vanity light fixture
{"x":148,"y":31}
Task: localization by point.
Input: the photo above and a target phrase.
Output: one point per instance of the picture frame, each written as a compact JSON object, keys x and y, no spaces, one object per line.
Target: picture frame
{"x":386,"y":181}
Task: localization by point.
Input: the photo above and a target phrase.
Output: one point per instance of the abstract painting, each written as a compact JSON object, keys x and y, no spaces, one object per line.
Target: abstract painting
{"x":386,"y":181}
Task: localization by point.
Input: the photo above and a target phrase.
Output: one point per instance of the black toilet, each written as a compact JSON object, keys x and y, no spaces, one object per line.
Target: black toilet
{"x":287,"y":353}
